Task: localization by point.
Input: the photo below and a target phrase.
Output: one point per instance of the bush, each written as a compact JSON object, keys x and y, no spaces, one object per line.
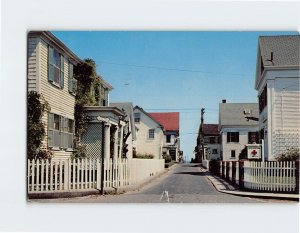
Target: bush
{"x":291,"y":154}
{"x":143,"y":156}
{"x":167,"y":158}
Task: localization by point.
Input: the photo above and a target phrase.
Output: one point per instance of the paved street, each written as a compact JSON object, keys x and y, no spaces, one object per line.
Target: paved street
{"x":184,"y":183}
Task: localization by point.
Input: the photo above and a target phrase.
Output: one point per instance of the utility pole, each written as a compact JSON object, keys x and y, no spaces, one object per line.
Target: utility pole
{"x":201,"y":133}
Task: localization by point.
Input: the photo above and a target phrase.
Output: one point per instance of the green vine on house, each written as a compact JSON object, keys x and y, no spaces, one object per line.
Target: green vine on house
{"x":37,"y":106}
{"x":88,"y":94}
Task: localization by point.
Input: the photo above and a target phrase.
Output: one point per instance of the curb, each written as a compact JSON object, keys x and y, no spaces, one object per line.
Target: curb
{"x":293,"y":197}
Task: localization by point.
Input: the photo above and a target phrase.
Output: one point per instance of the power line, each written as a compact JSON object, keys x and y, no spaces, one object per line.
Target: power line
{"x":170,"y":69}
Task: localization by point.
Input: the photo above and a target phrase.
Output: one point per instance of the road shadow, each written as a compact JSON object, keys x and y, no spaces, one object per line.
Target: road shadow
{"x":192,"y":173}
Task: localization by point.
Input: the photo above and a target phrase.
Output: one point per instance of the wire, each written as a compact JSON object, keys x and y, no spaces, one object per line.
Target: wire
{"x":170,"y":69}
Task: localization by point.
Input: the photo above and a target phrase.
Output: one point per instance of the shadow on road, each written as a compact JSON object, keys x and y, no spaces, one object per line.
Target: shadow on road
{"x":192,"y":173}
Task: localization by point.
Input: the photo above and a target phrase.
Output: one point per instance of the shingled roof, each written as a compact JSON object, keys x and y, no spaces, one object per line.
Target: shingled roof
{"x":285,"y":49}
{"x":169,"y":120}
{"x":210,"y":129}
{"x":233,"y":114}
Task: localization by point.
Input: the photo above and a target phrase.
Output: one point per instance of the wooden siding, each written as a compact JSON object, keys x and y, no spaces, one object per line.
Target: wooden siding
{"x":60,"y":100}
{"x":32,"y":64}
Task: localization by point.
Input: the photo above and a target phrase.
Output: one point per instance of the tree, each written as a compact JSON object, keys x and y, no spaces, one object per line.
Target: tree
{"x":35,"y":127}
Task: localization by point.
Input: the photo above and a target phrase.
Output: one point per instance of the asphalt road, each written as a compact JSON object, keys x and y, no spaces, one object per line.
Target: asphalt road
{"x":184,"y":183}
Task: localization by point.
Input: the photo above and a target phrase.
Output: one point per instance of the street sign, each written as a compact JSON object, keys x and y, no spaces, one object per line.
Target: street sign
{"x":254,"y":151}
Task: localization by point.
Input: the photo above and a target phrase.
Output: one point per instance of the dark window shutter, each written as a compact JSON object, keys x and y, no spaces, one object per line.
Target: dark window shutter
{"x":62,"y":65}
{"x":62,"y":123}
{"x":50,"y":64}
{"x":50,"y":130}
{"x":70,"y":85}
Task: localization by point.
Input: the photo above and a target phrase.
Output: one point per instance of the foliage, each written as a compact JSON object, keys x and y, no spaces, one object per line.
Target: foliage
{"x":35,"y":127}
{"x":291,"y":154}
{"x":144,"y":156}
{"x":243,"y":154}
{"x":167,"y":158}
{"x":88,"y":80}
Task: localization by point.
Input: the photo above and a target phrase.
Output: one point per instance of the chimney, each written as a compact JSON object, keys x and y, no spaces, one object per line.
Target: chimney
{"x":224,"y":101}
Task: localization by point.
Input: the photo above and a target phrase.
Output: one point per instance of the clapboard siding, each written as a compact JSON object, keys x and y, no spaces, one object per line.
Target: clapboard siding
{"x":32,"y":64}
{"x":60,"y":100}
{"x":286,"y":104}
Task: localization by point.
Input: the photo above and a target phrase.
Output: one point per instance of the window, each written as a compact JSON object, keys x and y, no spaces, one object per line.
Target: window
{"x":262,"y":99}
{"x":252,"y":137}
{"x":232,"y":153}
{"x":168,"y":138}
{"x":232,"y":136}
{"x":55,"y":67}
{"x":137,"y":117}
{"x":214,"y":151}
{"x":151,"y":134}
{"x":60,"y":132}
{"x":212,"y":140}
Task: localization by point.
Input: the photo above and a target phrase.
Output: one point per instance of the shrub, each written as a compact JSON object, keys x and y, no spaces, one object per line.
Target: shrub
{"x":167,"y":158}
{"x":143,"y":156}
{"x":291,"y":154}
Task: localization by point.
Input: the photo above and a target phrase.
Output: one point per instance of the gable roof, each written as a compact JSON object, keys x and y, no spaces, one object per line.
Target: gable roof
{"x":147,"y":114}
{"x":170,"y":120}
{"x":232,"y":114}
{"x":211,"y":129}
{"x":55,"y":41}
{"x":128,"y":108}
{"x":285,"y":50}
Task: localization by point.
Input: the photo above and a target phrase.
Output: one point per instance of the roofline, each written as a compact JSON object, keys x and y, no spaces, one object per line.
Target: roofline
{"x":147,"y":114}
{"x":48,"y":35}
{"x":106,"y":84}
{"x":115,"y":110}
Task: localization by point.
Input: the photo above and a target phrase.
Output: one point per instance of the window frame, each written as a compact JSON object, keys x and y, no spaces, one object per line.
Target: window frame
{"x":233,"y":157}
{"x":135,"y":117}
{"x":151,"y":134}
{"x":168,"y":136}
{"x":233,"y":137}
{"x":56,"y":67}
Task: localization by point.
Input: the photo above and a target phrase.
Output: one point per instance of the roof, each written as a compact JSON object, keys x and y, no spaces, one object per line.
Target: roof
{"x":147,"y":114}
{"x":285,"y":49}
{"x":233,"y":114}
{"x":48,"y":35}
{"x":106,"y":84}
{"x":128,"y":108}
{"x":170,"y":120}
{"x":211,"y":129}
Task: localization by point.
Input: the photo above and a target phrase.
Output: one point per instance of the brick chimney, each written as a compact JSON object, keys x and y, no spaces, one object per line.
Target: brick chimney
{"x":224,"y":101}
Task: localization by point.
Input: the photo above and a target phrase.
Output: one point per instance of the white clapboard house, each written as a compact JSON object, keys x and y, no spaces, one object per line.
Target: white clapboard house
{"x":50,"y":73}
{"x":277,"y":83}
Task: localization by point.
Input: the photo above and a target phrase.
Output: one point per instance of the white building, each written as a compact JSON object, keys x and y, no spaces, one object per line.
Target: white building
{"x":211,"y":141}
{"x":277,"y":83}
{"x":170,"y":123}
{"x":129,"y":129}
{"x":50,"y":73}
{"x":238,"y":126}
{"x":149,"y":134}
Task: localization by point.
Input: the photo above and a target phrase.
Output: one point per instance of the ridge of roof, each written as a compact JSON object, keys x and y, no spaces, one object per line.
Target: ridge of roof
{"x":147,"y":114}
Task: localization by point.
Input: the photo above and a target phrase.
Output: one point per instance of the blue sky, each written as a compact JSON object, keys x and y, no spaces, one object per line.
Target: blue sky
{"x":181,"y":71}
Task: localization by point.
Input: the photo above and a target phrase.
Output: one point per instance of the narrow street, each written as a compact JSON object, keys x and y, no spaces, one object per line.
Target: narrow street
{"x":184,"y":183}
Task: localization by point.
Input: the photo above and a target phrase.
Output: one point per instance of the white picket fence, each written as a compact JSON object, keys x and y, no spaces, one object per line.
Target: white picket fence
{"x":61,"y":175}
{"x":270,"y":176}
{"x":66,"y":175}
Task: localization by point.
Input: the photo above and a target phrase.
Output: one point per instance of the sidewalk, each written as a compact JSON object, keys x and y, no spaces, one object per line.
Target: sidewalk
{"x":225,"y":187}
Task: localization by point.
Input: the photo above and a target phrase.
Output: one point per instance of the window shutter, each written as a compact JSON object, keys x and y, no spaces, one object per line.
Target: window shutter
{"x":50,"y":64}
{"x":70,"y":77}
{"x":70,"y":85}
{"x":66,"y":134}
{"x":50,"y":130}
{"x":61,"y":129}
{"x":62,"y":65}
